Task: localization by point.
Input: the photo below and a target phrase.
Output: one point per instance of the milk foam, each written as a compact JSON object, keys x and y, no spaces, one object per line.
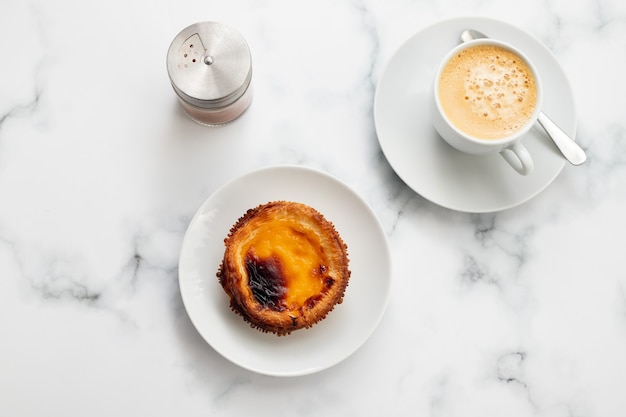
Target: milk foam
{"x":487,"y":91}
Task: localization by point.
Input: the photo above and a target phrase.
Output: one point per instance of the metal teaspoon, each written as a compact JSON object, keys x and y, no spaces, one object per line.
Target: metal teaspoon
{"x":570,"y":149}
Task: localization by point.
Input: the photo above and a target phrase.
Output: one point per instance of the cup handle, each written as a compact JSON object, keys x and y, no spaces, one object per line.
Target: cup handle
{"x":518,"y":157}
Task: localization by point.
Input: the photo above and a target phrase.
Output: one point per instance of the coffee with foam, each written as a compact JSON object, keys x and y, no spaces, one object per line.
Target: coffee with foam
{"x":487,"y":91}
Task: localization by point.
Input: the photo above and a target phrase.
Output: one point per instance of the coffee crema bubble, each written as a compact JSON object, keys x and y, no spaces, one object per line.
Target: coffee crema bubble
{"x":487,"y":91}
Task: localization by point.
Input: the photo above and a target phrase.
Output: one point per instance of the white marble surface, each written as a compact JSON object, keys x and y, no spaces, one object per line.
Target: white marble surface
{"x":517,"y":313}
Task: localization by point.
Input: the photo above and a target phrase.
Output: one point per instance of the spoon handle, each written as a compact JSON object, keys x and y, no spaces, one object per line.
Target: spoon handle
{"x":570,"y":149}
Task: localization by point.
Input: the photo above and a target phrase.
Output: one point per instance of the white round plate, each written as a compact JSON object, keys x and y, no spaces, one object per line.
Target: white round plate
{"x":304,"y":351}
{"x":432,"y":168}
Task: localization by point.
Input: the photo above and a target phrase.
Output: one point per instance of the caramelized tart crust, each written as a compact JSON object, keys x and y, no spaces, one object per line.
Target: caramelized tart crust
{"x":285,"y":267}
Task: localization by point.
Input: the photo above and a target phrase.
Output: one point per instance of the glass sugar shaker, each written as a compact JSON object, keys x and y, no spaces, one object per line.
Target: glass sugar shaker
{"x":210,"y":68}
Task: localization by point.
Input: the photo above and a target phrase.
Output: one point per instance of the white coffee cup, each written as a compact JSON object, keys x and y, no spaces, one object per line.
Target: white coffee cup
{"x":485,"y":97}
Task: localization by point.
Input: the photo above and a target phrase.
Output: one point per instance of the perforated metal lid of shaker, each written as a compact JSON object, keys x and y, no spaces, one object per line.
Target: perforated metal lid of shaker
{"x":209,"y":65}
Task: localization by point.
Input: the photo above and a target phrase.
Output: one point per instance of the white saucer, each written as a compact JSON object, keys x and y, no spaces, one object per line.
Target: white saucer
{"x":433,"y":169}
{"x":305,"y":351}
